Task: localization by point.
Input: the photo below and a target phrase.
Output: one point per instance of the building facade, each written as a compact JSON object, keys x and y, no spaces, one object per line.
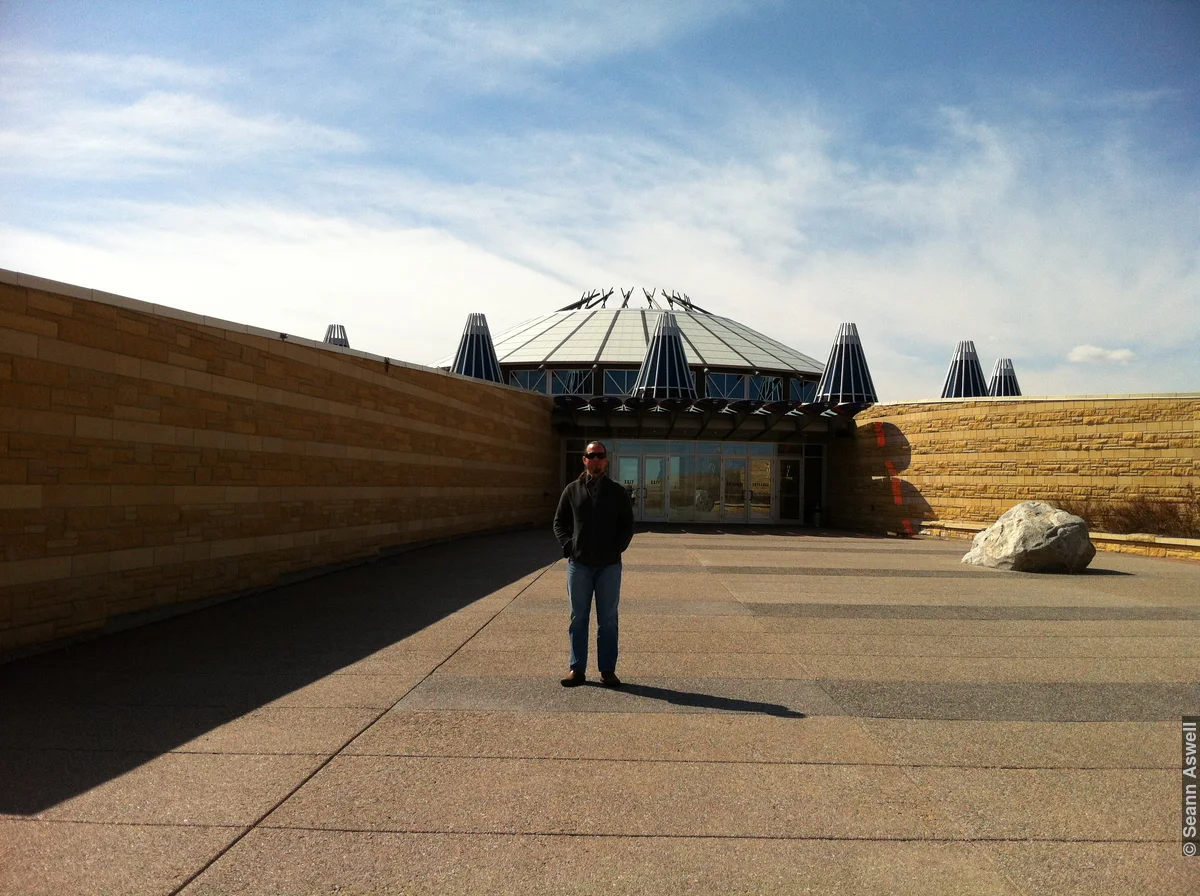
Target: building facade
{"x":705,"y":419}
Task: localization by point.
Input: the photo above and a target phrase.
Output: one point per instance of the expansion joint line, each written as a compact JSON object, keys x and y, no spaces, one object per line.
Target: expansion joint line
{"x":338,"y":752}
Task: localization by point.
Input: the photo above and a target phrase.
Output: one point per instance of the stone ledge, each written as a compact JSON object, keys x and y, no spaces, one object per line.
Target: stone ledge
{"x":1136,"y":543}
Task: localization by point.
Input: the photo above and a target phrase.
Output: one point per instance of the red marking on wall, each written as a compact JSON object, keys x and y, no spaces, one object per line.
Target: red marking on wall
{"x":894,"y":479}
{"x":880,"y":438}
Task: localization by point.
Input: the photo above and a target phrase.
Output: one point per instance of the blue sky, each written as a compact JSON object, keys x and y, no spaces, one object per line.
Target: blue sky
{"x":1026,"y":175}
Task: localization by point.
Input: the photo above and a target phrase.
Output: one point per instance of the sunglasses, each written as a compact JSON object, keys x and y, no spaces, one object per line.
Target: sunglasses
{"x":596,"y":455}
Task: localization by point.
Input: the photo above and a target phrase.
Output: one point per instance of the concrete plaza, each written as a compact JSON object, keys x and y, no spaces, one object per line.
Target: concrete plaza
{"x":801,"y":713}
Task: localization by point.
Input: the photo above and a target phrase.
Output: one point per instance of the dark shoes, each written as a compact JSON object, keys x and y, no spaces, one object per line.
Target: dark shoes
{"x":574,"y":679}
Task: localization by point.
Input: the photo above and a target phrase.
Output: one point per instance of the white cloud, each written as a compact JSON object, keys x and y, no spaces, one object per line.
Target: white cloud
{"x":401,"y":292}
{"x":1091,"y":354}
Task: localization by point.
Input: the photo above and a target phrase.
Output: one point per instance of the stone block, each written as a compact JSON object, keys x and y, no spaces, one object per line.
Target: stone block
{"x":28,"y":572}
{"x":20,"y":497}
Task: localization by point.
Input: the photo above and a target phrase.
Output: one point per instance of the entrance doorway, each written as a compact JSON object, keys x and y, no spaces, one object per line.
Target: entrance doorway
{"x":734,"y":491}
{"x":720,"y":482}
{"x":645,"y":481}
{"x":654,"y":488}
{"x":629,"y":474}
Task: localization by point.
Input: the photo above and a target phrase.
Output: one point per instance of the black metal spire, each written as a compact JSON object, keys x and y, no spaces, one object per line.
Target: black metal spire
{"x":1004,"y":379}
{"x":664,"y":372}
{"x":964,"y":379}
{"x":846,"y":379}
{"x":476,"y":354}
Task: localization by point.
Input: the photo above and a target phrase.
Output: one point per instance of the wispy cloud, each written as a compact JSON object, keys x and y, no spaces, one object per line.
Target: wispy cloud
{"x":1091,"y":354}
{"x":113,"y":118}
{"x":26,"y":71}
{"x":498,"y":45}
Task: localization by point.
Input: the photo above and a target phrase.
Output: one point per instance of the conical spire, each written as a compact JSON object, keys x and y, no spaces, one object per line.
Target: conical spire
{"x":1004,"y":379}
{"x":476,"y":354}
{"x":664,"y":372}
{"x":846,"y":379}
{"x":964,"y":379}
{"x":335,"y":334}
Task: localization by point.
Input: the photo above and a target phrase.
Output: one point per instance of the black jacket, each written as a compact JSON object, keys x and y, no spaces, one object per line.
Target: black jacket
{"x":594,"y":530}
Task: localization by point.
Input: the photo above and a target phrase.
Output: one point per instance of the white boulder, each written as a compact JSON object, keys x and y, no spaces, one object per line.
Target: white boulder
{"x":1034,"y":537}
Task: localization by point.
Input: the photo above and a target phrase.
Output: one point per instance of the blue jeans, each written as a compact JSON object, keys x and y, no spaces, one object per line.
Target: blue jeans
{"x":605,"y":583}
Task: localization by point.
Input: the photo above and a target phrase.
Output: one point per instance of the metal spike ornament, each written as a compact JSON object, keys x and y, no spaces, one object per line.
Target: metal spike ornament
{"x":476,"y":355}
{"x":847,"y":379}
{"x":664,"y":372}
{"x":335,"y":334}
{"x":964,"y":379}
{"x":1004,"y":379}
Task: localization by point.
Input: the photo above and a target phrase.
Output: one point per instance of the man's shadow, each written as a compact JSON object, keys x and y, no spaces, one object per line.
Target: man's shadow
{"x":706,"y":701}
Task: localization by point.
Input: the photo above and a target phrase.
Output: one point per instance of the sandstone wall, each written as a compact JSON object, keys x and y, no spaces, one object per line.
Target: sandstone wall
{"x":972,"y":459}
{"x":150,"y":457}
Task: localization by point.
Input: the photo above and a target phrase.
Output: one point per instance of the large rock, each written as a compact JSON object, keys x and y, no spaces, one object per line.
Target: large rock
{"x":1034,"y":537}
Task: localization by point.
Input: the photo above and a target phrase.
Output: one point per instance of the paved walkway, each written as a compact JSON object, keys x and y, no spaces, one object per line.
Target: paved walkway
{"x":809,"y":714}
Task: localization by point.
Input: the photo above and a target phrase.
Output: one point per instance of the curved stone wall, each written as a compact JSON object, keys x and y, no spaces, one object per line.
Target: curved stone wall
{"x":150,"y":458}
{"x":972,"y":459}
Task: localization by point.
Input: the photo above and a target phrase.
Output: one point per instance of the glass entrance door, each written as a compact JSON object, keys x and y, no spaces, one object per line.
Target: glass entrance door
{"x":733,"y":490}
{"x":760,"y":489}
{"x":708,"y":482}
{"x":654,"y":488}
{"x":629,"y":474}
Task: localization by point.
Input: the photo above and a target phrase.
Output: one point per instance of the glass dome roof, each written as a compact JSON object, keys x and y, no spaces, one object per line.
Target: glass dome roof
{"x":586,"y":336}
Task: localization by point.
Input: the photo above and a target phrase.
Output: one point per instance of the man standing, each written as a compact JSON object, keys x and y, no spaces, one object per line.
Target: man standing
{"x":594,"y":524}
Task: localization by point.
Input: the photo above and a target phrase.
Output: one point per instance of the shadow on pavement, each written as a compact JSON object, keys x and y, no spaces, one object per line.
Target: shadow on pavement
{"x":77,"y":717}
{"x":706,"y":701}
{"x":751,"y":531}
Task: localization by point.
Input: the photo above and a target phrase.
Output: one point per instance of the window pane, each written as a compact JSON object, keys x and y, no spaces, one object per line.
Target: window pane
{"x":760,"y":489}
{"x":733,"y":496}
{"x":572,"y":382}
{"x":803,"y":390}
{"x":533,"y":380}
{"x":619,"y":382}
{"x":707,"y":478}
{"x":766,"y":388}
{"x":683,"y":488}
{"x":725,"y":385}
